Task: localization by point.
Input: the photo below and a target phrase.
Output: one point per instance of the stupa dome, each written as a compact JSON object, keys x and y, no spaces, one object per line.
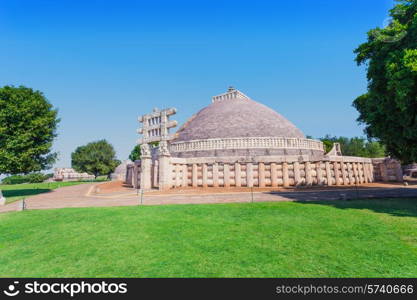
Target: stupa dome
{"x":234,"y":118}
{"x":235,"y":125}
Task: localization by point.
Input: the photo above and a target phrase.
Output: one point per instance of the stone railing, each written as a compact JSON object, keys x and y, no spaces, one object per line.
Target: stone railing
{"x":241,"y":174}
{"x":247,"y":143}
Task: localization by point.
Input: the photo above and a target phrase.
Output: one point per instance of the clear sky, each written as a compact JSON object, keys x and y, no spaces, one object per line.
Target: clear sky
{"x":104,"y":63}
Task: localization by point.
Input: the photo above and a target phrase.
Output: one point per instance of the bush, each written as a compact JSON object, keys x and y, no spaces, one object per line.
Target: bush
{"x":36,"y":177}
{"x":14,"y":179}
{"x":30,"y":178}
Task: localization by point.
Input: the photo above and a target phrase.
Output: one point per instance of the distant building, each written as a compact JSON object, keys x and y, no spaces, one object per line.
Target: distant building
{"x":69,"y":174}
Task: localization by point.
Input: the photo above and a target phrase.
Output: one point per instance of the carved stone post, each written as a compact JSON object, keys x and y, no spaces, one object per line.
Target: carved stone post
{"x":285,"y":177}
{"x":319,"y":173}
{"x":145,"y":167}
{"x":194,"y":175}
{"x":356,"y":173}
{"x":165,"y":172}
{"x":328,"y":173}
{"x":343,"y":166}
{"x":249,"y":175}
{"x":226,"y":175}
{"x":184,"y":175}
{"x":309,"y":177}
{"x":215,"y":175}
{"x":135,"y":176}
{"x":261,"y":174}
{"x":204,"y":171}
{"x":274,"y":175}
{"x":177,"y":175}
{"x":238,"y":175}
{"x":336,"y":172}
{"x":384,"y":172}
{"x":398,"y":173}
{"x":297,"y":176}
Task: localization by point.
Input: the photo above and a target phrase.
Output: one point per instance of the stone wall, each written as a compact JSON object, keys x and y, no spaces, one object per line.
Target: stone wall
{"x":387,"y":169}
{"x":269,"y":171}
{"x":270,"y":174}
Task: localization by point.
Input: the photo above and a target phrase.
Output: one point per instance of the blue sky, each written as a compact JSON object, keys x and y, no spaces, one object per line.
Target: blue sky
{"x":104,"y":63}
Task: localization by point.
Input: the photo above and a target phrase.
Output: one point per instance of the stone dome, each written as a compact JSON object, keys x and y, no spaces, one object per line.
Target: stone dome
{"x":236,"y":117}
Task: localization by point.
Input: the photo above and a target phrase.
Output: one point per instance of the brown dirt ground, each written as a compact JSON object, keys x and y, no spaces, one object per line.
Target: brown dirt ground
{"x":119,"y":187}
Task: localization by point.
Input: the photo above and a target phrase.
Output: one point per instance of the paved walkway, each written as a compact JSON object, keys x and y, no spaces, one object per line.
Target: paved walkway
{"x":81,"y":196}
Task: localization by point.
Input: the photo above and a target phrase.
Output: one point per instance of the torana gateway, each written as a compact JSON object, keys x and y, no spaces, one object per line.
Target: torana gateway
{"x":237,"y":142}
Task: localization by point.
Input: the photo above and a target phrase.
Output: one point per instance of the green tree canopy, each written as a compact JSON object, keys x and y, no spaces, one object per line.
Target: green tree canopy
{"x":96,"y":158}
{"x":28,"y":125}
{"x":135,"y":154}
{"x":389,"y":108}
{"x":355,"y":146}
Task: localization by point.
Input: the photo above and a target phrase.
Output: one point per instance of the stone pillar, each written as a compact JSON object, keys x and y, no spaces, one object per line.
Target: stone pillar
{"x":249,"y":174}
{"x":297,"y":176}
{"x":356,"y":173}
{"x":165,"y":172}
{"x":184,"y":175}
{"x":226,"y":175}
{"x":177,"y":176}
{"x":204,"y":170}
{"x":399,"y":173}
{"x":371,"y":172}
{"x":215,"y":175}
{"x":155,"y":182}
{"x":135,"y":177}
{"x":344,"y":174}
{"x":384,"y":172}
{"x":361,"y":173}
{"x":328,"y":173}
{"x":336,"y":172}
{"x":194,"y":175}
{"x":261,"y":174}
{"x":319,"y":173}
{"x":238,"y":175}
{"x":145,"y":167}
{"x":365,"y":173}
{"x":274,"y":175}
{"x":350,"y":173}
{"x":309,"y":177}
{"x":285,"y":178}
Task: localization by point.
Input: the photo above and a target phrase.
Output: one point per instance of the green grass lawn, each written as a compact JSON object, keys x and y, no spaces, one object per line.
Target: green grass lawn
{"x":363,"y":238}
{"x":14,"y":192}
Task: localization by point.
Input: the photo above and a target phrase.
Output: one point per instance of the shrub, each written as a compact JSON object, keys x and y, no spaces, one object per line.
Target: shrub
{"x":30,"y":178}
{"x":14,"y":179}
{"x":36,"y":177}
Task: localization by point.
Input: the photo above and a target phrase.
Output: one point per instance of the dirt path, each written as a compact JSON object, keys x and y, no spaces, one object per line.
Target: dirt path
{"x":82,"y":196}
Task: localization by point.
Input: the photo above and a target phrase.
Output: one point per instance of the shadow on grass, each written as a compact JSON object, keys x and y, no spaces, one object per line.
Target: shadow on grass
{"x":399,"y":207}
{"x":24,"y":192}
{"x":401,"y":202}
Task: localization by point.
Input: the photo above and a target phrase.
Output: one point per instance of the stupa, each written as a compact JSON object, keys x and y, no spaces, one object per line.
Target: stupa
{"x":237,"y":142}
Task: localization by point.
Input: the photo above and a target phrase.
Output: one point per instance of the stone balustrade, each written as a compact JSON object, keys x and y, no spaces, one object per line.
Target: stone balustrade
{"x":272,"y":174}
{"x":246,"y":143}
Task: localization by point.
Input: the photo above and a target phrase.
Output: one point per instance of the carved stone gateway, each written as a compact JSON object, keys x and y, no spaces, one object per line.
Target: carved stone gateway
{"x":155,"y":128}
{"x":156,"y":125}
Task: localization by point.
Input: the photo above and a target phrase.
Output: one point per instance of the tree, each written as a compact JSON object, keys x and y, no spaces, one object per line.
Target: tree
{"x":135,"y":154}
{"x":28,"y":125}
{"x":389,"y":108}
{"x":96,"y":158}
{"x":355,"y":146}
